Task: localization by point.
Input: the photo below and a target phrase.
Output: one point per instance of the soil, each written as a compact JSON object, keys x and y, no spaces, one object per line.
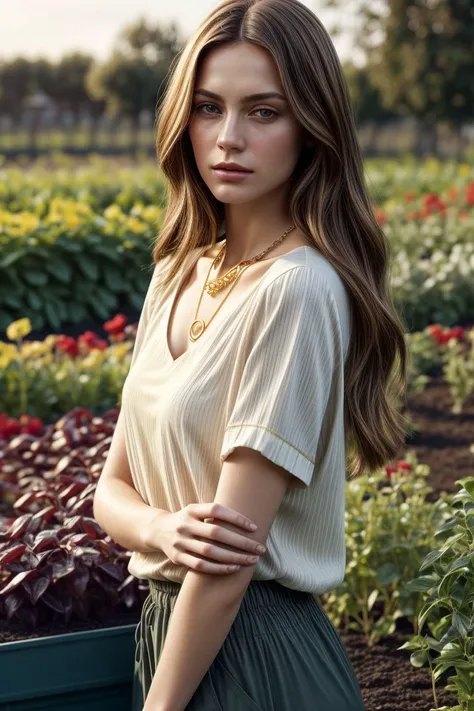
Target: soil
{"x":444,"y":438}
{"x":387,"y":679}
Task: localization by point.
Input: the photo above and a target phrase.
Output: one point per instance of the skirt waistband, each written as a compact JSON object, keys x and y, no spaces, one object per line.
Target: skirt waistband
{"x":259,"y":593}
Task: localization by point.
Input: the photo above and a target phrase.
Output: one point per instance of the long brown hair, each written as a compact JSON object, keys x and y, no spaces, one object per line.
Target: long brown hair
{"x":328,"y":203}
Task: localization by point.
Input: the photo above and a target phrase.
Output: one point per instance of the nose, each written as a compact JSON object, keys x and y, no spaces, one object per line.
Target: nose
{"x":230,"y":135}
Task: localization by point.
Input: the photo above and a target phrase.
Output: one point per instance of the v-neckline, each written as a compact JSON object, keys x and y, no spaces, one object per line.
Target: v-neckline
{"x":183,"y":274}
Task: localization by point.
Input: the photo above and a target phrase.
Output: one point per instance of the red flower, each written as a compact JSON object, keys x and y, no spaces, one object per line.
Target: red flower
{"x":389,"y":470}
{"x":89,"y":341}
{"x":31,"y":425}
{"x":68,"y":345}
{"x":442,"y":335}
{"x":457,"y":332}
{"x":116,"y":325}
{"x":402,"y":464}
{"x":9,"y":427}
{"x":432,"y":203}
{"x":470,"y":193}
{"x":435,"y":329}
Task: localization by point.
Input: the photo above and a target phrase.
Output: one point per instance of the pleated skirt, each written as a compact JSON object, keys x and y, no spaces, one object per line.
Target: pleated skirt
{"x":282,"y":653}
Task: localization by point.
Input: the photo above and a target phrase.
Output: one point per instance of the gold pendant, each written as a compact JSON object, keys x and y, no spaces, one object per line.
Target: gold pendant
{"x":196,"y":329}
{"x":214,"y":286}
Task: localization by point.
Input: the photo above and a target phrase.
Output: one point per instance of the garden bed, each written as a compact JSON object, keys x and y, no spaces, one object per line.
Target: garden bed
{"x":387,"y":679}
{"x":444,"y":438}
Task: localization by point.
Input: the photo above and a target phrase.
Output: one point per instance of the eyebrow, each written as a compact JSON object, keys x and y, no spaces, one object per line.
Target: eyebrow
{"x":245,"y":99}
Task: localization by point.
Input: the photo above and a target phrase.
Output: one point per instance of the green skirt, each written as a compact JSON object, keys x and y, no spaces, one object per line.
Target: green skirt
{"x":282,"y":653}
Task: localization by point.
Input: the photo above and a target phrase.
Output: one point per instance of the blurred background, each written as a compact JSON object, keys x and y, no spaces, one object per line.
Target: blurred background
{"x":85,"y":76}
{"x":82,"y":200}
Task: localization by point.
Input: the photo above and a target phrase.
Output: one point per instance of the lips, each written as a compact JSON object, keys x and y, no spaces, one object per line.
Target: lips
{"x":232,"y":169}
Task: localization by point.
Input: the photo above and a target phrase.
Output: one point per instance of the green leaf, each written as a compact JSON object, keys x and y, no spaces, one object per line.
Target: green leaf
{"x":467,"y":483}
{"x":136,"y":300}
{"x":34,"y":300}
{"x":419,"y":658}
{"x":77,"y":312}
{"x":88,"y":266}
{"x":422,"y":584}
{"x":372,"y":598}
{"x":459,"y":563}
{"x":109,"y":300}
{"x":52,"y":315}
{"x":60,"y":269}
{"x":12,"y":300}
{"x":37,"y":321}
{"x":11,"y":258}
{"x":109,"y":252}
{"x":69,"y":245}
{"x":431,"y":557}
{"x":36,"y":278}
{"x":462,"y":623}
{"x":113,"y":280}
{"x":5,"y":320}
{"x":414,"y":643}
{"x":440,"y":670}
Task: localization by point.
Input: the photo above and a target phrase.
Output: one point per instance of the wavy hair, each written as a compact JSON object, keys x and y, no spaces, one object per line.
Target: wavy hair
{"x":328,"y":203}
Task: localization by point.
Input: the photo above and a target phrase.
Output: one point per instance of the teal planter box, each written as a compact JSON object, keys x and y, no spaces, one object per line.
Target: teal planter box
{"x":80,"y":671}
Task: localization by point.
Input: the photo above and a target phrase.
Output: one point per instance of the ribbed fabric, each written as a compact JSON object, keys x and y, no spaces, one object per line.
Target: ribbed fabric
{"x":267,"y":374}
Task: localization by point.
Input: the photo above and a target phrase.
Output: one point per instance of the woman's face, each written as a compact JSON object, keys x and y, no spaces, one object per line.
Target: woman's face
{"x":261,"y":134}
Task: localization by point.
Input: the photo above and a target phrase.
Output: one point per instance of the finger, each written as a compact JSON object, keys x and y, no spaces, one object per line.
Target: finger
{"x":204,"y":566}
{"x":221,"y":555}
{"x":213,"y":510}
{"x":214,"y":532}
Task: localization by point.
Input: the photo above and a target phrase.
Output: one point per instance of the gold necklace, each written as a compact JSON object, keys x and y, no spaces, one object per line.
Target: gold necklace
{"x":212,"y":287}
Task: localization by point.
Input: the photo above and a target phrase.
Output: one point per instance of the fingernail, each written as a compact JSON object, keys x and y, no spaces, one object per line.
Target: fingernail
{"x":253,"y":526}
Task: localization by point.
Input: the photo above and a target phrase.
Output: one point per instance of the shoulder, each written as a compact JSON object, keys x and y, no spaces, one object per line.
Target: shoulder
{"x":306,"y":285}
{"x":304,"y":274}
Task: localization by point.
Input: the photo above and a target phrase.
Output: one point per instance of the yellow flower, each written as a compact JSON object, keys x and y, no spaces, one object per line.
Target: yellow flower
{"x":135,"y":225}
{"x":35,"y":349}
{"x":127,"y":244}
{"x":19,"y":329}
{"x":119,"y":350}
{"x":93,"y":360}
{"x":151,"y":213}
{"x":432,"y":166}
{"x":51,"y":340}
{"x":113,"y":212}
{"x":8,"y":354}
{"x":465,"y":170}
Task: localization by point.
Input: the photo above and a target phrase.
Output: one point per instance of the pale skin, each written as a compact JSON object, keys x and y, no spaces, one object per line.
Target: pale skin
{"x":256,"y":214}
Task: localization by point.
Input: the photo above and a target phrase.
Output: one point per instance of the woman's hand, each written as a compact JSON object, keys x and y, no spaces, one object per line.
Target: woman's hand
{"x":188,"y":540}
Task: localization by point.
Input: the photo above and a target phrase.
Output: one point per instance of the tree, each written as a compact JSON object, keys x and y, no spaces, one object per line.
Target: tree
{"x":132,"y":79}
{"x":419,"y":55}
{"x":16,"y":80}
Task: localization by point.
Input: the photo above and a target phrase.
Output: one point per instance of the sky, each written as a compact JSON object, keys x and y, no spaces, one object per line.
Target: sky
{"x":50,"y":28}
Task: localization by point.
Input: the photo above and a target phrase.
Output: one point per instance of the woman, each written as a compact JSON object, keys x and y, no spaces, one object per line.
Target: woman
{"x":258,"y":357}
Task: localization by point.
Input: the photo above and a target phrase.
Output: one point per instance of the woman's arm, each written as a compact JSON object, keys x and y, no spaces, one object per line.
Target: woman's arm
{"x":208,"y":604}
{"x":118,"y":508}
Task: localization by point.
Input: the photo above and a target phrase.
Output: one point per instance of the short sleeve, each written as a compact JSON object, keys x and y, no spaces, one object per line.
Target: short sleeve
{"x":287,"y":376}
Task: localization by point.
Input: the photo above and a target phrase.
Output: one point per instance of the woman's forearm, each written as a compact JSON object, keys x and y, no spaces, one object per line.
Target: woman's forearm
{"x":124,"y":516}
{"x":203,"y":615}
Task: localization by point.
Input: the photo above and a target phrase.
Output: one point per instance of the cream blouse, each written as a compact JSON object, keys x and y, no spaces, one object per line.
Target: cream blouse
{"x":268,"y":375}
